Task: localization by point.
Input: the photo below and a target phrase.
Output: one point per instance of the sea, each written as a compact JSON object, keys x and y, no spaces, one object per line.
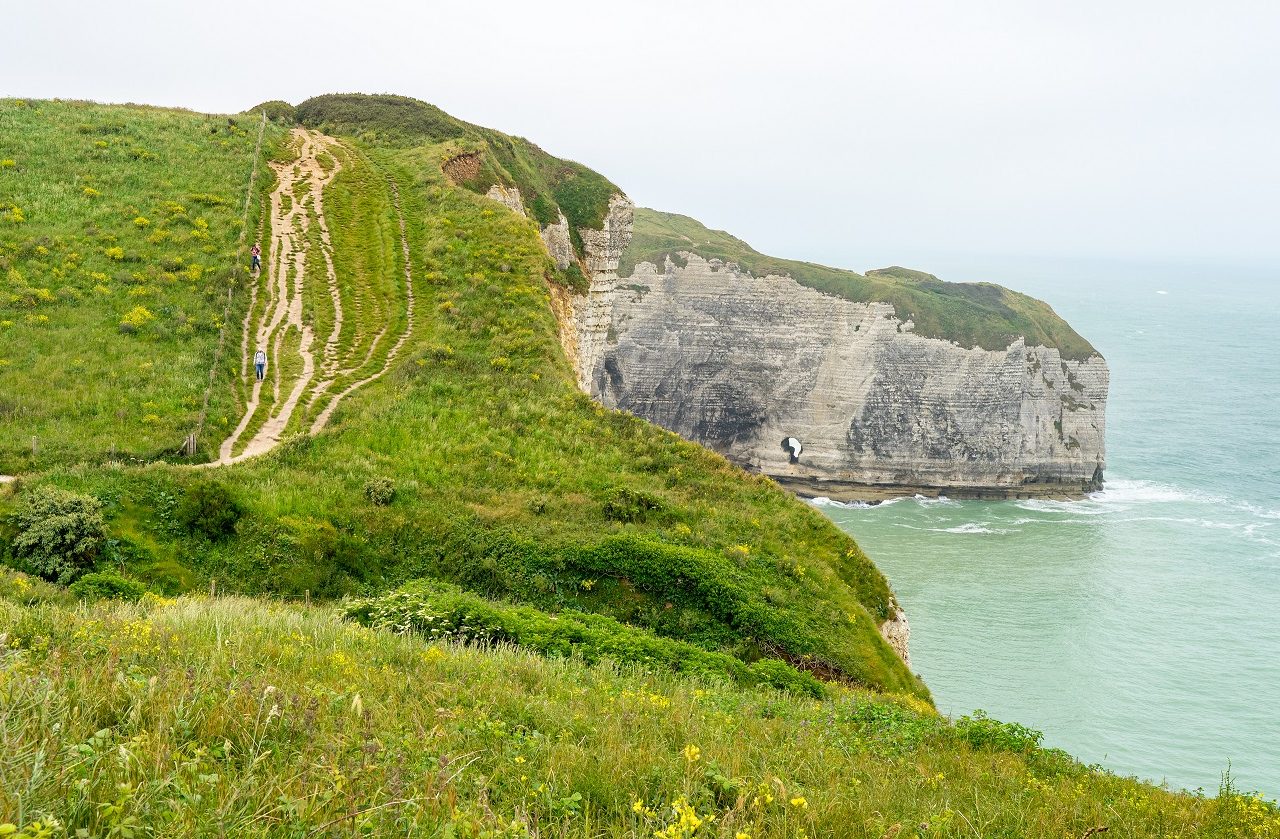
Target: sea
{"x":1138,"y":629}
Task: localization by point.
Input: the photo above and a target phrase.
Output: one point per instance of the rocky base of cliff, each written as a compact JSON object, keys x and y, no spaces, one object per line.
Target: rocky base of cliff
{"x":847,"y":491}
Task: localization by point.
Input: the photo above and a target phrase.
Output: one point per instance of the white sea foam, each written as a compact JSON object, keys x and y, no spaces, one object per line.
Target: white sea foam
{"x":969,"y":527}
{"x":824,"y":501}
{"x":923,"y":500}
{"x":1260,"y":512}
{"x":1142,"y":492}
{"x":890,"y":501}
{"x":1048,"y":505}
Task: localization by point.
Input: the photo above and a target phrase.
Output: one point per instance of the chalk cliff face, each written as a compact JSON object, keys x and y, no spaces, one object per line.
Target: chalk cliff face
{"x":741,"y":363}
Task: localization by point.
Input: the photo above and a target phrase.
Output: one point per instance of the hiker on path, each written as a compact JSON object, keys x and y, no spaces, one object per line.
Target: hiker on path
{"x":256,"y":253}
{"x":260,"y":364}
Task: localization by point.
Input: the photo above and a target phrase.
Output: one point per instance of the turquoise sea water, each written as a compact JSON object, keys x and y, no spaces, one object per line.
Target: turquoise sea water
{"x":1139,"y":629}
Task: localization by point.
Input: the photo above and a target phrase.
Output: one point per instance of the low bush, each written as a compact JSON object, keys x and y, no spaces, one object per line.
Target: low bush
{"x":444,"y":612}
{"x":623,"y":504}
{"x":30,"y":591}
{"x":135,"y":319}
{"x":380,"y":491}
{"x":107,"y":586}
{"x":209,"y":510}
{"x":276,"y":111}
{"x":59,"y":533}
{"x":982,"y":732}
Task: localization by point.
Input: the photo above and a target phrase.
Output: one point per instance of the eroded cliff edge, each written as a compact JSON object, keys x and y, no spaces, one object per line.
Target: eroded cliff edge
{"x":740,"y":363}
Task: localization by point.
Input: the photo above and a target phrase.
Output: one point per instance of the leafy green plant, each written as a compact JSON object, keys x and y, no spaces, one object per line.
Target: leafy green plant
{"x":624,"y":504}
{"x":982,"y":732}
{"x":379,"y":491}
{"x":59,"y":533}
{"x":135,"y":319}
{"x":107,"y":585}
{"x":208,"y":509}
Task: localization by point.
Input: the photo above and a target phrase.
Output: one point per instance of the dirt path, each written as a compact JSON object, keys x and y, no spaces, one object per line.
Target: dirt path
{"x":303,"y":182}
{"x":280,"y":328}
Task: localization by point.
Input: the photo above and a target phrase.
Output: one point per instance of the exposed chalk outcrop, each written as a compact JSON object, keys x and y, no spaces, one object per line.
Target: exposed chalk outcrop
{"x":559,"y":243}
{"x":897,"y":633}
{"x":509,"y":196}
{"x":593,"y":312}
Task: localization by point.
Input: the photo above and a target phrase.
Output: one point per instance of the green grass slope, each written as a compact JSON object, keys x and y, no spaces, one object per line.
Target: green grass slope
{"x":120,"y":237}
{"x":234,"y":717}
{"x":548,"y":184}
{"x":496,"y":474}
{"x":971,"y":314}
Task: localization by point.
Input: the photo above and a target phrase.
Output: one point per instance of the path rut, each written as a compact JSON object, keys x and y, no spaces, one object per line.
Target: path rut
{"x":281,"y":322}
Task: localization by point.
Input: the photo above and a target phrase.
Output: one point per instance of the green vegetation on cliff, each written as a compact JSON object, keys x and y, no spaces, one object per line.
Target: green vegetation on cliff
{"x":481,"y":156}
{"x":474,"y":460}
{"x":971,"y":314}
{"x":236,"y":717}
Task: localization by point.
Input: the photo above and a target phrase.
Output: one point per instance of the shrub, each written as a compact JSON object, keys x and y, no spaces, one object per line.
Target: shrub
{"x":316,"y":557}
{"x":107,"y":586}
{"x":138,"y":317}
{"x":30,"y":591}
{"x":784,"y":677}
{"x":209,"y":510}
{"x":60,"y":533}
{"x":276,"y":111}
{"x":628,"y":505}
{"x":380,"y":491}
{"x":982,"y":732}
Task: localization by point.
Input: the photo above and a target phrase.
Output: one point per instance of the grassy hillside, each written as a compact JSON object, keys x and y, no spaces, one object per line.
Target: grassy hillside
{"x":476,"y":461}
{"x":971,"y":314}
{"x":120,"y":237}
{"x":547,"y":184}
{"x":234,"y":717}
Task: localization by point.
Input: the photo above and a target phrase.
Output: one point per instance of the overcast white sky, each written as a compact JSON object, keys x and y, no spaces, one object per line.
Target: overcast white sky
{"x":916,"y":132}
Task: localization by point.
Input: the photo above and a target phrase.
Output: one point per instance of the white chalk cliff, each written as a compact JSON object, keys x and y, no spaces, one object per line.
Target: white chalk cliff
{"x":738,"y":363}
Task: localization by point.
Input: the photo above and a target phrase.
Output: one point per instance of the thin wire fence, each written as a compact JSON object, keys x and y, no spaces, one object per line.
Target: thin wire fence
{"x":189,"y":445}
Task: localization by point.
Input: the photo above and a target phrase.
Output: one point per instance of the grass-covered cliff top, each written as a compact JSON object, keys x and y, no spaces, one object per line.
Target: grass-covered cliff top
{"x":237,"y":717}
{"x":474,"y":461}
{"x":971,"y":314}
{"x":484,"y":157}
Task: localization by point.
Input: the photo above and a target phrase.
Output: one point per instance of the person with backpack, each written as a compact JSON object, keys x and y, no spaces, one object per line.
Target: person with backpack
{"x":255,"y":254}
{"x":260,"y":364}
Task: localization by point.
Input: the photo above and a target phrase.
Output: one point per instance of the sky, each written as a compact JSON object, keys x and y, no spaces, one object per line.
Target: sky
{"x":971,"y":136}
